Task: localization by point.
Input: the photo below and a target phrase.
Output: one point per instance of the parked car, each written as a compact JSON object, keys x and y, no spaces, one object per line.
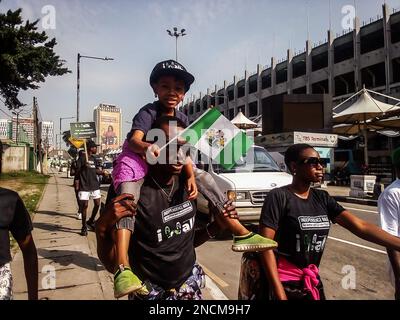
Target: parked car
{"x":107,"y":166}
{"x":247,"y":183}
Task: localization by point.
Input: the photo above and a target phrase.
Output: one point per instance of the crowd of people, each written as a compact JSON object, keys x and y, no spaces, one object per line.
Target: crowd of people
{"x":149,"y":216}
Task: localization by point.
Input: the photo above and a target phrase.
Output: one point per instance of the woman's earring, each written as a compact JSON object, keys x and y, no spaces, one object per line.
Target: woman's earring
{"x":294,"y":173}
{"x":155,"y":95}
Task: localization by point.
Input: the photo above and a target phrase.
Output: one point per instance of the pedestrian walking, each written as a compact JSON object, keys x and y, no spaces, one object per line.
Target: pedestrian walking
{"x":299,"y":217}
{"x":88,"y":185}
{"x":15,"y":218}
{"x":389,"y":210}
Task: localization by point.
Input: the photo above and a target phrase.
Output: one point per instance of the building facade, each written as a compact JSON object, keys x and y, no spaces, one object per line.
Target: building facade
{"x":47,"y":131}
{"x":5,"y":129}
{"x":368,"y":55}
{"x":25,"y":131}
{"x":108,"y":120}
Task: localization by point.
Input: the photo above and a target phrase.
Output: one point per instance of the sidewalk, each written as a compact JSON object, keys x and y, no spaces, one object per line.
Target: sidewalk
{"x":79,"y":274}
{"x":342,"y":194}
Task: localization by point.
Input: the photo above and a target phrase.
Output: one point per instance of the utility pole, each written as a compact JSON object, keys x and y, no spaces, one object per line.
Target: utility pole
{"x":36,"y":136}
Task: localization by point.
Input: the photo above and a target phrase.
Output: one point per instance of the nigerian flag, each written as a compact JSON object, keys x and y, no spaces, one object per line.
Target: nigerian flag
{"x":218,"y":138}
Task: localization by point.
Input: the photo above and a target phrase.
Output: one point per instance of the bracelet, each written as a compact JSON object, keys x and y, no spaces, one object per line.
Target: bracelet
{"x":208,"y":232}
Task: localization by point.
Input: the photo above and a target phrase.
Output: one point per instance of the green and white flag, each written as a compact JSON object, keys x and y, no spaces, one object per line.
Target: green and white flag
{"x":216,"y":137}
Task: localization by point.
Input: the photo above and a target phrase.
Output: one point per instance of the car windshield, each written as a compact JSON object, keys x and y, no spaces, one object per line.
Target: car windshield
{"x":107,"y":165}
{"x":256,"y":160}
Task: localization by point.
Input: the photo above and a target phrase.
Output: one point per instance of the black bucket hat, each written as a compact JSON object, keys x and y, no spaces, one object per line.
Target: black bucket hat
{"x":91,"y":144}
{"x":171,"y":68}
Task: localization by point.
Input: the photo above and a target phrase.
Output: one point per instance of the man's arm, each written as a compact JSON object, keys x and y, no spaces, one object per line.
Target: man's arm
{"x":119,"y":207}
{"x":212,"y":229}
{"x":29,"y":254}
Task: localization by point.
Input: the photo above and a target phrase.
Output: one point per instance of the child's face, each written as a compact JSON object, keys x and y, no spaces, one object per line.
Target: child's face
{"x":170,"y":91}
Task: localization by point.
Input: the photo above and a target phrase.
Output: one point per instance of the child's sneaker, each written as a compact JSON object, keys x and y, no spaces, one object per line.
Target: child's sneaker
{"x":252,"y":242}
{"x":125,"y":282}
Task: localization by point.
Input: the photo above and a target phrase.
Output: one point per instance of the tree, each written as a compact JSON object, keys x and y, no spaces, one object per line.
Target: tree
{"x":26,"y":57}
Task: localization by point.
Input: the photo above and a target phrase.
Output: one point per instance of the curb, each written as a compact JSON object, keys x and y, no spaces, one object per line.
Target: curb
{"x":367,"y":202}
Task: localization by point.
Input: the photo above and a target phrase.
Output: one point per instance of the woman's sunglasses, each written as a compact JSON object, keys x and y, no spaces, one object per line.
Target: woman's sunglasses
{"x":313,"y":161}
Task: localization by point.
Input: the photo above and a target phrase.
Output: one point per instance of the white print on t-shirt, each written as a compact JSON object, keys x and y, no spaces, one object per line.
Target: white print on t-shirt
{"x":314,"y":223}
{"x":169,"y":232}
{"x":315,"y":243}
{"x":176,"y":212}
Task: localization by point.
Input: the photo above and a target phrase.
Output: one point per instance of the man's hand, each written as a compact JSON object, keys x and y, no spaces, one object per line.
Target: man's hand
{"x":119,"y":207}
{"x":230,"y":210}
{"x":152,"y":153}
{"x":191,"y":188}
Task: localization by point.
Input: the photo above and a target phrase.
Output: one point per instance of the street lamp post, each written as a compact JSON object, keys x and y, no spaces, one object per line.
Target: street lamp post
{"x":59,"y":146}
{"x":176,"y":34}
{"x":78,"y":78}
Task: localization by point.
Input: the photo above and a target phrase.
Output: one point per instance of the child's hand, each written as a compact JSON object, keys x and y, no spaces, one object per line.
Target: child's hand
{"x":152,"y":153}
{"x":191,"y":188}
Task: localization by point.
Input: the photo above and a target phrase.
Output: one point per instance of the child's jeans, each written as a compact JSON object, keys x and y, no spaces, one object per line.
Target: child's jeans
{"x":205,"y":185}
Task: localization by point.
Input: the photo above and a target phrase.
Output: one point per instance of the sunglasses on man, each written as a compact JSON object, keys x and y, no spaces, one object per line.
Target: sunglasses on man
{"x":313,"y":161}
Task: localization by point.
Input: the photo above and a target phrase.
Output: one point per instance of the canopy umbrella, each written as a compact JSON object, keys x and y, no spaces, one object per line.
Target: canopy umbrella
{"x":242,"y":122}
{"x":362,"y":115}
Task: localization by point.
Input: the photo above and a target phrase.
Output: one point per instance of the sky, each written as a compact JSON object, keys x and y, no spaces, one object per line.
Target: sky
{"x":224,"y":37}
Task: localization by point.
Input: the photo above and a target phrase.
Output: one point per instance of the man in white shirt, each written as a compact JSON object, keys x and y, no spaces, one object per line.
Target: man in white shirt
{"x":389,"y":209}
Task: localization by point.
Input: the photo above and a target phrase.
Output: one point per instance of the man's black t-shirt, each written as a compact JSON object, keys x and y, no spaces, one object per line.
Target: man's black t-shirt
{"x":14,"y":218}
{"x":86,"y":173}
{"x":302,"y":225}
{"x":162,"y":247}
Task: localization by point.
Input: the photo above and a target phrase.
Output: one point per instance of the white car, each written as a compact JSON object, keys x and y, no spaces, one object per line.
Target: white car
{"x":247,"y":183}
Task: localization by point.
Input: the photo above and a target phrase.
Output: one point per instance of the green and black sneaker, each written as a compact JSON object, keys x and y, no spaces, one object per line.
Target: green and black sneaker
{"x":252,"y":242}
{"x":125,"y":282}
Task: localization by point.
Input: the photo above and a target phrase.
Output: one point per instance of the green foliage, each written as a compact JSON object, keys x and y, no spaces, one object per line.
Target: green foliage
{"x":27,"y":57}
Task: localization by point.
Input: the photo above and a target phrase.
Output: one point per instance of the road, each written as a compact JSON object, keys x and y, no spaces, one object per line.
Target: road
{"x":344,"y":254}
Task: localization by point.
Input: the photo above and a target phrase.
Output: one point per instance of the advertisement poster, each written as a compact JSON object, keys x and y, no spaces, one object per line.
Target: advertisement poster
{"x":109,"y":130}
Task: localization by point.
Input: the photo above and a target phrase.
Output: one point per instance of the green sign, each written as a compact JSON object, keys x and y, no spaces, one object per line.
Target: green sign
{"x":83,"y":130}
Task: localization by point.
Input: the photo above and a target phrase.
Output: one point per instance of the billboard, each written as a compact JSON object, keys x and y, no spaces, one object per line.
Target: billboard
{"x":109,"y":130}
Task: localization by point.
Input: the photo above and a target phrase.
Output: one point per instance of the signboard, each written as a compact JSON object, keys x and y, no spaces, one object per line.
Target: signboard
{"x":77,"y":143}
{"x":316,"y":139}
{"x":289,"y":138}
{"x":83,"y":130}
{"x":109,"y":130}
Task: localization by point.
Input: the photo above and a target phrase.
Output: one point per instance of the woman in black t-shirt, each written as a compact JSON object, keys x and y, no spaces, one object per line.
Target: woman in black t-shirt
{"x":298,"y":217}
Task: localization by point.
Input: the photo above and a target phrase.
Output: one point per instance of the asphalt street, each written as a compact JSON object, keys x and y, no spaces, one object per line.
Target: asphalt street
{"x":351,"y":268}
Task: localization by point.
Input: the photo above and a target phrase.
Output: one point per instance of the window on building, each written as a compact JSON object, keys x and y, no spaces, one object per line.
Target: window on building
{"x":231,"y":94}
{"x":396,"y":70}
{"x":372,"y":41}
{"x":319,"y":61}
{"x":281,"y":76}
{"x":204,"y":103}
{"x":241,"y":89}
{"x":374,"y":76}
{"x":344,"y":51}
{"x":253,"y":111}
{"x":253,"y":84}
{"x":231,"y":114}
{"x":266,"y":81}
{"x":395,"y":32}
{"x":320,"y":87}
{"x":344,"y":84}
{"x":299,"y":68}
